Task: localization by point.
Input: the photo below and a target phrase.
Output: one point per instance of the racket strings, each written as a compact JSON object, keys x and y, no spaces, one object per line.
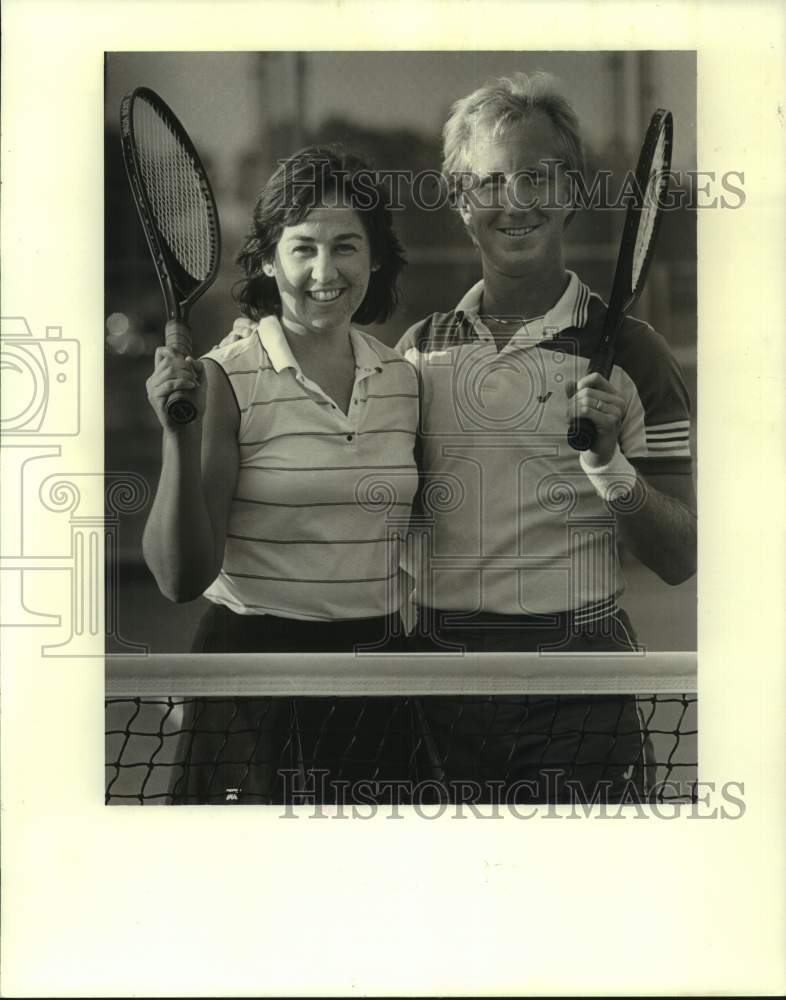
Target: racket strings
{"x":174,"y":190}
{"x":657,"y":181}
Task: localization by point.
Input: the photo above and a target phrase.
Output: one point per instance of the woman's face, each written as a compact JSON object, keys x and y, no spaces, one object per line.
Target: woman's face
{"x":322,"y":268}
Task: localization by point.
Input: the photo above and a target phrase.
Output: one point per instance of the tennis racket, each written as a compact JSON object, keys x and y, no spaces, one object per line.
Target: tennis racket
{"x":635,"y":254}
{"x":178,"y":213}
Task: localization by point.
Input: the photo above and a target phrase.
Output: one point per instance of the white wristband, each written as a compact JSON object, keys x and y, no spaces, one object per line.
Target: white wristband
{"x":613,"y":481}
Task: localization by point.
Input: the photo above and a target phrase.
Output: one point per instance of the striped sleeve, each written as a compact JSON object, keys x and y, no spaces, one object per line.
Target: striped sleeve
{"x":244,"y":363}
{"x":657,"y":420}
{"x":411,"y":343}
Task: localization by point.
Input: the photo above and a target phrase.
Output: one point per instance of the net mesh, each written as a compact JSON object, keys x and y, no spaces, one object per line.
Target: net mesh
{"x":656,"y":183}
{"x":175,"y":191}
{"x":239,"y":749}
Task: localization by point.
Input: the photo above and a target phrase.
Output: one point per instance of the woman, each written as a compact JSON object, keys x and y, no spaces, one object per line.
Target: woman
{"x":275,"y":503}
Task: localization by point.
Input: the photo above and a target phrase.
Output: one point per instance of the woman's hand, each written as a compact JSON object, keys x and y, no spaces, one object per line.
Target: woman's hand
{"x":186,"y":528}
{"x":596,"y":399}
{"x":173,"y":373}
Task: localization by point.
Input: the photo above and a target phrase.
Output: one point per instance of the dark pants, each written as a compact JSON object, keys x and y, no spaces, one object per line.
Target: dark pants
{"x":532,"y":748}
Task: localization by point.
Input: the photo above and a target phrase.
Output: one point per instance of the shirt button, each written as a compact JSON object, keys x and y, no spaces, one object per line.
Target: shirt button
{"x":350,"y":437}
{"x":378,"y":369}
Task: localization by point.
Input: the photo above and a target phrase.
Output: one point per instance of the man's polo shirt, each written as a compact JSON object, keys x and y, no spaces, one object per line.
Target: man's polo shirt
{"x":309,"y":531}
{"x":511,"y":524}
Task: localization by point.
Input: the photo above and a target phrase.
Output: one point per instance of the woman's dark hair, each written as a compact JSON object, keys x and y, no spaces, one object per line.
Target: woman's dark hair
{"x":320,"y":175}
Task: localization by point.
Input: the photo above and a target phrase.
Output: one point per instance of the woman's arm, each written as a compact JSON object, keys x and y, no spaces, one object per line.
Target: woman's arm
{"x":185,"y":532}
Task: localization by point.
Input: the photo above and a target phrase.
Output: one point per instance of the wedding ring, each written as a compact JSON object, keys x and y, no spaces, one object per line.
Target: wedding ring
{"x":599,"y":405}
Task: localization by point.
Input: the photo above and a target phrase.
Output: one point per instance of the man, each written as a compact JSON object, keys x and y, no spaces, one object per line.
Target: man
{"x":519,"y":533}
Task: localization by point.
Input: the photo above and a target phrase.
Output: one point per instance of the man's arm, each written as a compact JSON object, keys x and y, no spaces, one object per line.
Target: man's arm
{"x":658,"y":524}
{"x":656,"y":512}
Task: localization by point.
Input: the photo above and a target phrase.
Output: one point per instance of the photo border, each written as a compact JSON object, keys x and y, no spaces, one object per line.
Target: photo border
{"x":502,"y":899}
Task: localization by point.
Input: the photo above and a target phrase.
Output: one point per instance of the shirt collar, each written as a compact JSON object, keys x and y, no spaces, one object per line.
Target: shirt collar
{"x":279,"y":352}
{"x":275,"y":344}
{"x":570,"y":310}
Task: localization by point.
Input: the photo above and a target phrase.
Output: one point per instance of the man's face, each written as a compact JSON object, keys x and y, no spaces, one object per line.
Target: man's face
{"x":518,"y":209}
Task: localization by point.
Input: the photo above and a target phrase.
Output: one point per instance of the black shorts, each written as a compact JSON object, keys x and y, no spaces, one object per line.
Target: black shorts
{"x":221,"y":630}
{"x":269,"y":750}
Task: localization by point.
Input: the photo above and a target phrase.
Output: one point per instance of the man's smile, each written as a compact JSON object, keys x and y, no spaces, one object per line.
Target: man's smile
{"x":517,"y":232}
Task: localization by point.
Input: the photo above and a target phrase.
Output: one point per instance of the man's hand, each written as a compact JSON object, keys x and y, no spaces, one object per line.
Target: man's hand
{"x":241,"y":328}
{"x":660,"y":527}
{"x":596,"y":399}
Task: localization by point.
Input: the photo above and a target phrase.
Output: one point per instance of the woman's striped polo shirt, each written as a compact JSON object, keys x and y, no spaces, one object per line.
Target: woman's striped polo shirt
{"x":512,"y":524}
{"x":321,"y":496}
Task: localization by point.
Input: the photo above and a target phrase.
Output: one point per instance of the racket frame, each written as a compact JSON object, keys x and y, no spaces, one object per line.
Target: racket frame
{"x":179,"y":288}
{"x":581,"y":434}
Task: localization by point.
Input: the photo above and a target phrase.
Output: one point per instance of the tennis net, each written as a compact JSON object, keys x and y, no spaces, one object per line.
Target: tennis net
{"x":335,"y":728}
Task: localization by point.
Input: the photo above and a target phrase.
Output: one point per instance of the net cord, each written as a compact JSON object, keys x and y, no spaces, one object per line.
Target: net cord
{"x":325,"y":674}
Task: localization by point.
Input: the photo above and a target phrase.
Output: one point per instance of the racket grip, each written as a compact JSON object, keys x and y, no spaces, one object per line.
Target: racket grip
{"x":179,"y":406}
{"x":177,"y":335}
{"x":581,"y":434}
{"x":180,"y":409}
{"x":582,"y":431}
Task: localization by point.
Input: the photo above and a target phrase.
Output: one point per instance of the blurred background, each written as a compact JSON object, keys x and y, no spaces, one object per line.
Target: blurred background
{"x":245,"y":111}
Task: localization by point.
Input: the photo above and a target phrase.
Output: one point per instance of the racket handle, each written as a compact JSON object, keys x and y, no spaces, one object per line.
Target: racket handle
{"x":179,"y":406}
{"x":178,"y":336}
{"x":581,"y":434}
{"x":582,"y":431}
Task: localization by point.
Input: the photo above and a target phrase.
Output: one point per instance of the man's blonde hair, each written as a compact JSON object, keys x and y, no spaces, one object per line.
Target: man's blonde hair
{"x":496,"y":106}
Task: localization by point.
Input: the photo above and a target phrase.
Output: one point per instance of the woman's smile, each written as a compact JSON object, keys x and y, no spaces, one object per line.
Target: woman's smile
{"x":325,"y":295}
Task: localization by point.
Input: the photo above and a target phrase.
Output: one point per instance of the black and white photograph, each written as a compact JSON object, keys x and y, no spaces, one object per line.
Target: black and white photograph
{"x":412,"y":426}
{"x":392,"y":494}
